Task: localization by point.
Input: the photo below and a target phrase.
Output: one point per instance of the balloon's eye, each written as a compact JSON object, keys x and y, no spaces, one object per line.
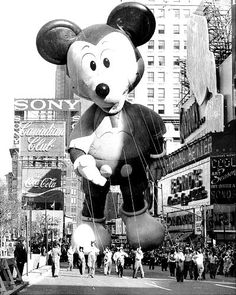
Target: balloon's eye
{"x":106,"y":62}
{"x":93,"y":65}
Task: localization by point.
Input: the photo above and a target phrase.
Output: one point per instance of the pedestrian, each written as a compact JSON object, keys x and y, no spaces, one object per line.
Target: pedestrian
{"x":81,"y":260}
{"x":119,"y":258}
{"x":20,"y":254}
{"x":115,"y":258}
{"x":92,"y":257}
{"x":172,"y":262}
{"x":188,"y":263}
{"x":213,"y":261}
{"x":56,"y":254}
{"x":152,"y":260}
{"x":179,"y":258}
{"x":164,"y":261}
{"x":70,"y":258}
{"x":228,"y":262}
{"x":199,"y":266}
{"x":107,"y":261}
{"x":138,"y":263}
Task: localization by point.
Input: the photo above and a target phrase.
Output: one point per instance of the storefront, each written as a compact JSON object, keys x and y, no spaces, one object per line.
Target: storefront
{"x":199,"y":189}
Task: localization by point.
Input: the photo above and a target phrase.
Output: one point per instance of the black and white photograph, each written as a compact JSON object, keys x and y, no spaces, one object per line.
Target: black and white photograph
{"x":118,"y":150}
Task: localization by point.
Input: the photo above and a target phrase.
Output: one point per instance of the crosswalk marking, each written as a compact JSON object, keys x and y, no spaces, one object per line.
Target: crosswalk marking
{"x":225,"y":286}
{"x":154,"y":285}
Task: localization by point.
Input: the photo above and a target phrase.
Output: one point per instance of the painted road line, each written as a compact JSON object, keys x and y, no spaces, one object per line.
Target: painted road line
{"x":230,"y":287}
{"x":156,"y":286}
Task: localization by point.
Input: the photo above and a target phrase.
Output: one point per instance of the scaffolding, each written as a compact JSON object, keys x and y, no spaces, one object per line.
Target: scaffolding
{"x":220,"y":38}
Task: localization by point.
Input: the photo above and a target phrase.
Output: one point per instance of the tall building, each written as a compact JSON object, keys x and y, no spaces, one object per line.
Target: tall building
{"x":160,"y":87}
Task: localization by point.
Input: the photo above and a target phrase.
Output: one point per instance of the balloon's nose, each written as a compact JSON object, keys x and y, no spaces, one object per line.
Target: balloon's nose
{"x":102,"y":90}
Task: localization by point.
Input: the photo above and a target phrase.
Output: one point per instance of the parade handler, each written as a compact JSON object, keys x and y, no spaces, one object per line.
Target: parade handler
{"x":114,"y":141}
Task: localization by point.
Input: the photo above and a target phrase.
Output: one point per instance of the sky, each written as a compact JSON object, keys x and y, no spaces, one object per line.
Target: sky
{"x":23,"y":72}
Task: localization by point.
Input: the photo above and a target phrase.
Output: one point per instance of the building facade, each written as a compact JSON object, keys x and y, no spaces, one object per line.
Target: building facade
{"x":198,"y":188}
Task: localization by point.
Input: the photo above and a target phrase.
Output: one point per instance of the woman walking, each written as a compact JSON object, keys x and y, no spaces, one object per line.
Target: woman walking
{"x":92,"y":257}
{"x":56,"y":253}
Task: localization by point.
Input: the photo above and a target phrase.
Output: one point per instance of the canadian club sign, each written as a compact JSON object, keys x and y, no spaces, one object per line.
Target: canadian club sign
{"x":36,"y":182}
{"x":39,"y":138}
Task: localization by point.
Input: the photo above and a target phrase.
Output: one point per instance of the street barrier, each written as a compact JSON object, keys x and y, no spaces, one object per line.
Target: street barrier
{"x":8,"y":284}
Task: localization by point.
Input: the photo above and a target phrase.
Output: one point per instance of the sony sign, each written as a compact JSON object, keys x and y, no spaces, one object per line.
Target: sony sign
{"x":44,"y":104}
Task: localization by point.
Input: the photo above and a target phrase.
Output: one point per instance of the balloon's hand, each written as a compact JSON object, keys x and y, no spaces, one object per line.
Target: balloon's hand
{"x":85,"y":166}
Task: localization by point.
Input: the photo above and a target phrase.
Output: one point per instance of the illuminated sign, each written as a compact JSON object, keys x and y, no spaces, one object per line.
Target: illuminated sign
{"x":191,"y":182}
{"x":180,"y":220}
{"x":190,"y":121}
{"x":188,"y":154}
{"x":47,"y":105}
{"x":37,"y":181}
{"x":223,"y":179}
{"x":38,"y":138}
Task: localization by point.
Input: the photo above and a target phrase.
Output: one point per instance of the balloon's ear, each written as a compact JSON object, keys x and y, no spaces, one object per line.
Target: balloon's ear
{"x":135,"y":19}
{"x":54,"y":39}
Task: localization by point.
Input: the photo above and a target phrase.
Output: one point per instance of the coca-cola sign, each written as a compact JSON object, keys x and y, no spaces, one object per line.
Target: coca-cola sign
{"x":37,"y":181}
{"x":38,"y":138}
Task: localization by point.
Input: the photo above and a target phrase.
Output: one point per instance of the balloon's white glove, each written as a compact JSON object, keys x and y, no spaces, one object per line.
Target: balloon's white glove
{"x":85,"y":166}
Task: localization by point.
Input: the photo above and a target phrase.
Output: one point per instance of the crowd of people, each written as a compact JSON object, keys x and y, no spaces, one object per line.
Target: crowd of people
{"x":183,"y":261}
{"x":194,"y":262}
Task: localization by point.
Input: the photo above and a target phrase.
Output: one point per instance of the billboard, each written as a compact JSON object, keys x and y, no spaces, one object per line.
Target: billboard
{"x":223,"y":179}
{"x":40,"y":138}
{"x":38,"y":181}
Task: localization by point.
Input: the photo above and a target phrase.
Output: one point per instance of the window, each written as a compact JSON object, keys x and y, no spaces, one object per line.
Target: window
{"x":176,"y":29}
{"x":176,"y":77}
{"x":176,"y":109}
{"x":161,"y":44}
{"x":151,"y":45}
{"x":150,"y":76}
{"x":176,"y":94}
{"x":161,"y":77}
{"x":161,"y":12}
{"x":161,"y":29}
{"x":161,"y":60}
{"x":185,"y":44}
{"x":150,"y":92}
{"x":176,"y":44}
{"x":186,"y":13}
{"x":151,"y":106}
{"x":176,"y":13}
{"x":161,"y":93}
{"x":176,"y":61}
{"x":185,"y":29}
{"x":161,"y":109}
{"x":150,"y":60}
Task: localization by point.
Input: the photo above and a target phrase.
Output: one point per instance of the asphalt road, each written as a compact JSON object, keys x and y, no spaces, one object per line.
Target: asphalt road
{"x":155,"y":282}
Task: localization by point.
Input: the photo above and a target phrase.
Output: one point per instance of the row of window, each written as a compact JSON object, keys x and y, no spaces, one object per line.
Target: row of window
{"x":176,"y":29}
{"x":161,"y":60}
{"x":161,"y":93}
{"x":161,"y":77}
{"x":161,"y":108}
{"x":161,"y":45}
{"x":176,"y":13}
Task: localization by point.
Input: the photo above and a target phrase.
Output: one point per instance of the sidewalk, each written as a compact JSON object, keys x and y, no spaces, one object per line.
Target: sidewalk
{"x":37,"y":274}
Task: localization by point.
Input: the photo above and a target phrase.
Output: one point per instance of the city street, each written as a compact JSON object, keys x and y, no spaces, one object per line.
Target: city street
{"x":155,"y":282}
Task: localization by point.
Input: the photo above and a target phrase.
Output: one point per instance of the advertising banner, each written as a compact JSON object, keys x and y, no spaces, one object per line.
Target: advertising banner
{"x":223,"y":179}
{"x":36,"y":182}
{"x":40,"y":138}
